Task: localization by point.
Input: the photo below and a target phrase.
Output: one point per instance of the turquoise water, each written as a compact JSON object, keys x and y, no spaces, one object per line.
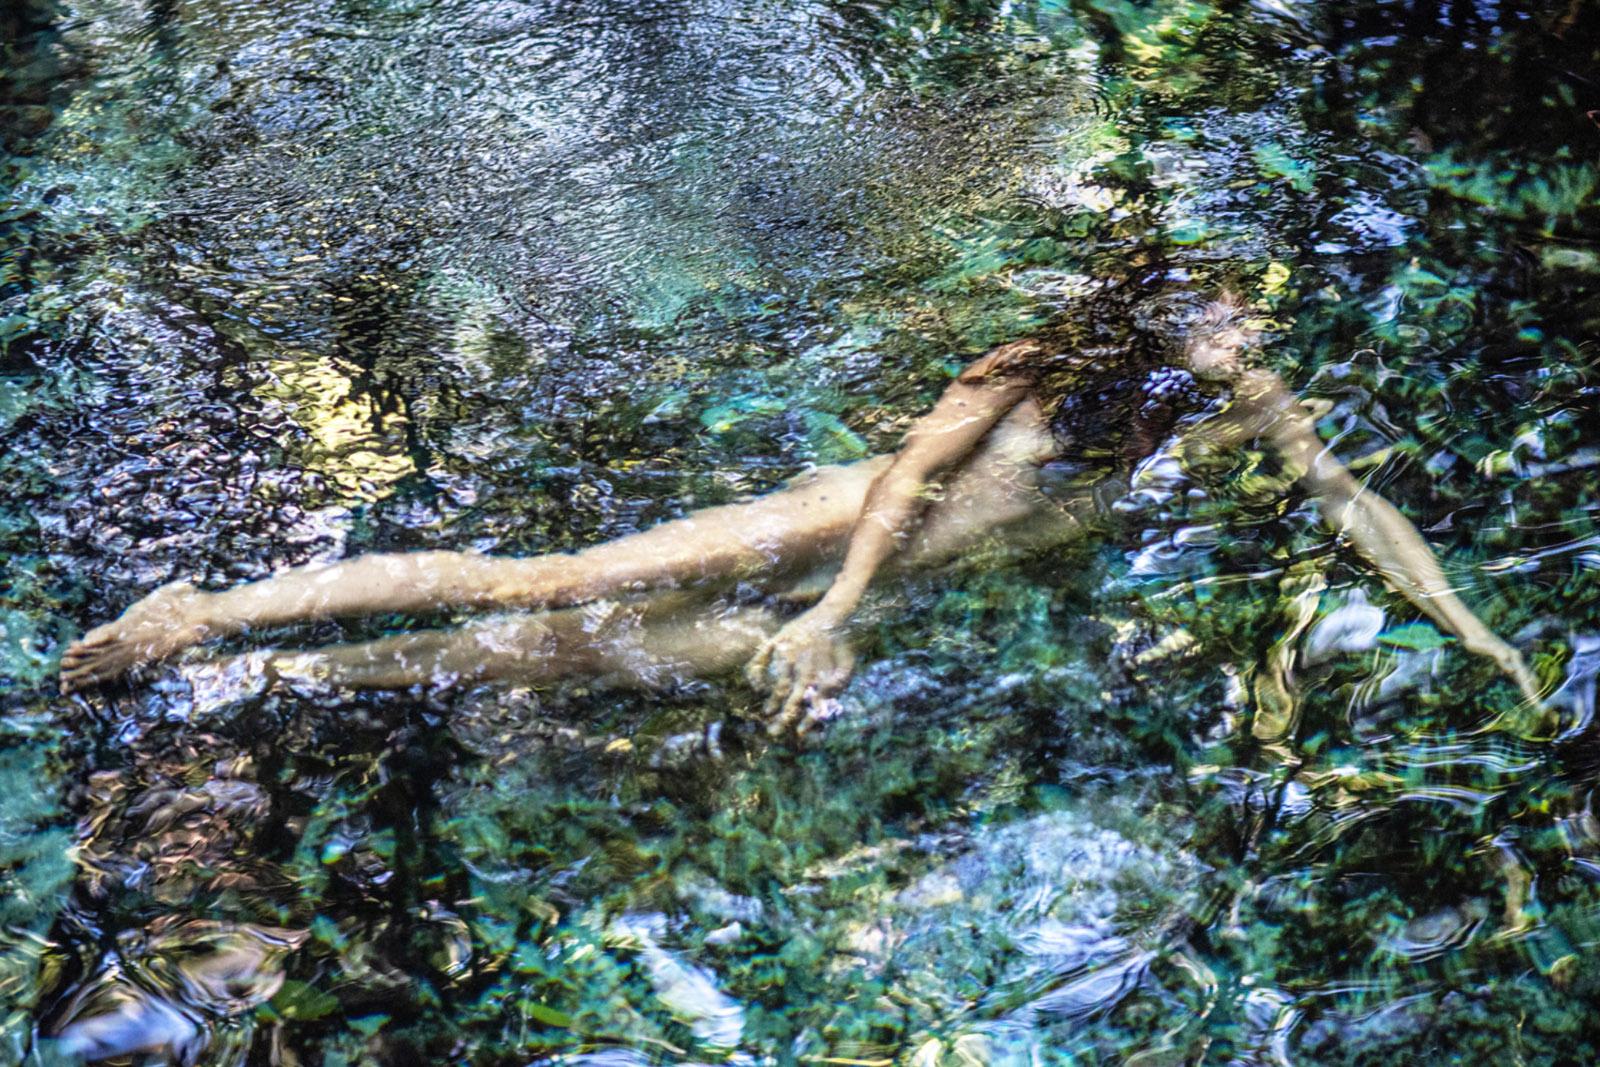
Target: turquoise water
{"x":291,"y":282}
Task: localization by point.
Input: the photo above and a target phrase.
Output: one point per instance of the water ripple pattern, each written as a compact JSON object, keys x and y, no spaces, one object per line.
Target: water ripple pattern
{"x":294,"y":281}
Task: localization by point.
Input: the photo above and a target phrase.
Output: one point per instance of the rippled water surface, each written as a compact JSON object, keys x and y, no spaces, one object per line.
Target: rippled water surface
{"x":289,"y":282}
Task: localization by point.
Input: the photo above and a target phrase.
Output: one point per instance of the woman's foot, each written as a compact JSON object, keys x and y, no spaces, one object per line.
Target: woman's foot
{"x":164,"y":623}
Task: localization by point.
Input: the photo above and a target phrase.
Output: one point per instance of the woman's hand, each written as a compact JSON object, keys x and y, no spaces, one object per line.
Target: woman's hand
{"x":804,"y":665}
{"x":810,"y":660}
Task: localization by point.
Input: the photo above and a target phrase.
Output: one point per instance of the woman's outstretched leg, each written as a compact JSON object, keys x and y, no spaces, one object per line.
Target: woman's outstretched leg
{"x":647,"y":644}
{"x":773,"y":536}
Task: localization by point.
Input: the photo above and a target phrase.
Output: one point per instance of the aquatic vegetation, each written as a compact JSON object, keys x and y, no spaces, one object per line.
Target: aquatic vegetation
{"x":293,"y":281}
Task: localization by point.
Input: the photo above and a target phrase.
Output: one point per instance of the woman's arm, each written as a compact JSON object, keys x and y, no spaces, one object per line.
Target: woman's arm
{"x":1264,"y":407}
{"x":810,"y":659}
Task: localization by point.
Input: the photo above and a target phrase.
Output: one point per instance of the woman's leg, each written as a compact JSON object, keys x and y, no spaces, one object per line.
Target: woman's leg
{"x":772,"y":536}
{"x":770,"y":540}
{"x":646,"y":644}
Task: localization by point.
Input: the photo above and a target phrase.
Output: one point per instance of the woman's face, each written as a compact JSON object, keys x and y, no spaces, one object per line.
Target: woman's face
{"x":1216,"y":354}
{"x":1211,"y":335}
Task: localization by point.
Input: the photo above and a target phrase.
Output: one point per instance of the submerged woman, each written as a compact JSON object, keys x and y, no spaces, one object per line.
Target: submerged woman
{"x":705,"y":594}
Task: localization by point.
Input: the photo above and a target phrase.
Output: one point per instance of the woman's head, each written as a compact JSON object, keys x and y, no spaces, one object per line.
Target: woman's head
{"x":1124,"y":328}
{"x":1214,"y":345}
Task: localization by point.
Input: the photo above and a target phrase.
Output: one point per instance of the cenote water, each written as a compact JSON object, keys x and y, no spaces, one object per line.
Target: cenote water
{"x":288,"y":282}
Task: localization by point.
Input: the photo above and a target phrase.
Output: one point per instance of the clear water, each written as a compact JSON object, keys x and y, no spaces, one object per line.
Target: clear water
{"x":287,"y":282}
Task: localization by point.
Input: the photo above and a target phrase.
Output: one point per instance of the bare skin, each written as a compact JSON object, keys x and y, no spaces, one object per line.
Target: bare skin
{"x":652,"y":607}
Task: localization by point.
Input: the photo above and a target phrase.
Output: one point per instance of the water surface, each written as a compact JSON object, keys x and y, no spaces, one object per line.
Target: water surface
{"x":290,"y":282}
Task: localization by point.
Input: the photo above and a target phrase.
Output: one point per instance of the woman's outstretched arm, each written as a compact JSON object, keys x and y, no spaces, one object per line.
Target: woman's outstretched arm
{"x":810,"y":658}
{"x":1264,"y":408}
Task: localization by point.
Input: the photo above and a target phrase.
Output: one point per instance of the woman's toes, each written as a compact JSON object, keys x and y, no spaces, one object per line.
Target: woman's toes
{"x":87,"y":651}
{"x":88,"y":668}
{"x":80,"y":670}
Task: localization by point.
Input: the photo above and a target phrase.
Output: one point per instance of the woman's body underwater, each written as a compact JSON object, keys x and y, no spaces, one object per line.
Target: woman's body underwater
{"x":705,"y":594}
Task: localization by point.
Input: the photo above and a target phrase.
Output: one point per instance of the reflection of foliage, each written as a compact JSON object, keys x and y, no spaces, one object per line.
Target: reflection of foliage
{"x":1460,"y":372}
{"x":1553,"y":195}
{"x":1431,"y":268}
{"x":1456,"y":354}
{"x":762,"y":844}
{"x":35,"y":868}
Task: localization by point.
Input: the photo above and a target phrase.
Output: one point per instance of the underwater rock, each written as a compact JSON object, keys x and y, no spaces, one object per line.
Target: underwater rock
{"x":706,"y":896}
{"x":122,"y":1021}
{"x":20,"y":122}
{"x":1051,"y":921}
{"x":1438,"y":932}
{"x":723,"y":936}
{"x":1155,"y":481}
{"x":1376,"y":1032}
{"x":1412,"y":670}
{"x":1183,"y":551}
{"x":625,"y":1057}
{"x":167,"y":986}
{"x":687,"y":991}
{"x":175,"y":825}
{"x":1575,"y":698}
{"x":1352,"y":627}
{"x":222,"y":968}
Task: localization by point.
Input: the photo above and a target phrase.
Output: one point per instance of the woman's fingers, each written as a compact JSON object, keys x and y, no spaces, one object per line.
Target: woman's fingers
{"x":780,"y":709}
{"x":799,"y":677}
{"x":803,"y":695}
{"x":755,"y":672}
{"x":779,"y":681}
{"x":836,"y":677}
{"x":821,"y":710}
{"x":788,"y":691}
{"x":794,"y":707}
